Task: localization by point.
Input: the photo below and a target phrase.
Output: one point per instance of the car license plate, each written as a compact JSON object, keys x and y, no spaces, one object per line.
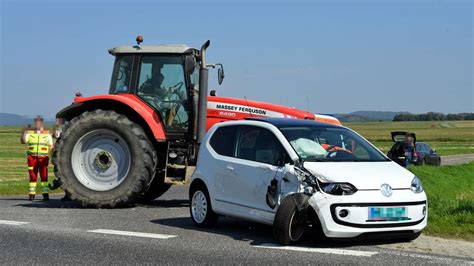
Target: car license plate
{"x":387,"y":214}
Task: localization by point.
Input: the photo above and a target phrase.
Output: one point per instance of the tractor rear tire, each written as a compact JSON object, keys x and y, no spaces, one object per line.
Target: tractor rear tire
{"x":157,"y":188}
{"x":104,"y":160}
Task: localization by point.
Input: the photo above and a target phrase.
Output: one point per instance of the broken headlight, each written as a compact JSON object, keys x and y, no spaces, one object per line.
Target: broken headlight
{"x":340,"y":189}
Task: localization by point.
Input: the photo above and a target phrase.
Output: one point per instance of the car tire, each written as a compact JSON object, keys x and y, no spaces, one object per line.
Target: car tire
{"x":438,"y":163}
{"x":290,"y":223}
{"x":200,"y":207}
{"x":422,"y":162}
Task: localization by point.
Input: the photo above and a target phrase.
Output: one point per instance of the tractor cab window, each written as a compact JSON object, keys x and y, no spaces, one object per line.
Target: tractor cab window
{"x":121,"y":74}
{"x":161,"y":84}
{"x":194,"y":78}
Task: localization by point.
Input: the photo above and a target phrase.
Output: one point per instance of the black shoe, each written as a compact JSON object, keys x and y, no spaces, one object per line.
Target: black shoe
{"x":46,"y":196}
{"x":31,"y":198}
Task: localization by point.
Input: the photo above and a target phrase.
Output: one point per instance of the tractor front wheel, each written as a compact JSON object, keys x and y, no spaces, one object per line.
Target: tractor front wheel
{"x":104,"y":160}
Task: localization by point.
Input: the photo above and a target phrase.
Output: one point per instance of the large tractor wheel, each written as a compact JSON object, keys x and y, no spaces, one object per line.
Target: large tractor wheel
{"x":104,"y":160}
{"x":157,"y":188}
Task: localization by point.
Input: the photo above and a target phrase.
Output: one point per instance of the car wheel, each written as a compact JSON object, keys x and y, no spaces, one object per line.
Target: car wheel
{"x":290,"y":223}
{"x":422,"y":162}
{"x":438,"y":163}
{"x":200,"y":208}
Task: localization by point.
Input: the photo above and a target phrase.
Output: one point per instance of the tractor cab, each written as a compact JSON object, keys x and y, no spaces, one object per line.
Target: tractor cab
{"x":166,"y":78}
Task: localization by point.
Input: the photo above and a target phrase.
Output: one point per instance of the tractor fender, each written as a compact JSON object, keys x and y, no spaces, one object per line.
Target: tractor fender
{"x":126,"y":104}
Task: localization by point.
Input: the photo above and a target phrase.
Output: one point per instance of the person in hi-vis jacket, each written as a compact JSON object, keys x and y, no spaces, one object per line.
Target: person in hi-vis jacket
{"x":39,"y":142}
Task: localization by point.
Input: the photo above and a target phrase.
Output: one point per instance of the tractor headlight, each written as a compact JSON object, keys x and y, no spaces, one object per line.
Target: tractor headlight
{"x":416,"y":186}
{"x":340,"y":189}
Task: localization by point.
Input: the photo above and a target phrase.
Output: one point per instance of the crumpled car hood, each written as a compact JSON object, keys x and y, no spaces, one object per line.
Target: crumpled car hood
{"x":363,"y":175}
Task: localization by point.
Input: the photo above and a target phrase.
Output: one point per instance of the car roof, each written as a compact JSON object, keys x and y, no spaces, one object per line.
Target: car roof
{"x":291,"y":122}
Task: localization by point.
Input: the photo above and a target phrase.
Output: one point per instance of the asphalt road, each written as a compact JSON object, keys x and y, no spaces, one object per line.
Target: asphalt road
{"x":57,"y":232}
{"x":457,"y":159}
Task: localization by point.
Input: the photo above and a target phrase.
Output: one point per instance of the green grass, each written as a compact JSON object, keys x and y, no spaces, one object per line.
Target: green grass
{"x":447,"y":137}
{"x":450,"y":191}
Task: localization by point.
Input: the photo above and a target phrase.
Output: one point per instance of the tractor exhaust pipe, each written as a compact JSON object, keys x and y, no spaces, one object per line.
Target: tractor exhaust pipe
{"x":203,"y":87}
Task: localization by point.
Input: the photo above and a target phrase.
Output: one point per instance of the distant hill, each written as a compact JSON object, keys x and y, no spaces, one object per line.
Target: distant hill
{"x":363,"y":116}
{"x":351,"y":118}
{"x":7,"y":119}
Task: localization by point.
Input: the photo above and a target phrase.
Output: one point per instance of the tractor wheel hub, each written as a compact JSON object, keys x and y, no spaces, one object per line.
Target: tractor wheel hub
{"x":103,"y":160}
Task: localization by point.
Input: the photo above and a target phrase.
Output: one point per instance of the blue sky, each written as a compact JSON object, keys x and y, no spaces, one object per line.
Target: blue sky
{"x":323,"y":56}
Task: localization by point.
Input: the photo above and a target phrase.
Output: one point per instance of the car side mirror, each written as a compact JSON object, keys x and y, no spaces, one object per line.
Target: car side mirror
{"x":433,"y":150}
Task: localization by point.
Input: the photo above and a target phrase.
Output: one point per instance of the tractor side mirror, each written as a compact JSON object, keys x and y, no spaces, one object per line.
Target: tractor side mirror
{"x":189,"y":64}
{"x":220,"y":73}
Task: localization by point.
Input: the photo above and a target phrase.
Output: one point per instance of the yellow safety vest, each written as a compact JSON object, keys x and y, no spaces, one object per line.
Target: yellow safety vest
{"x":38,"y":144}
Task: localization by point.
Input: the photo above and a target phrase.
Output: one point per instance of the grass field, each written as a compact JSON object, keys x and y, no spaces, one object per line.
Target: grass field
{"x":447,"y":137}
{"x":450,"y":189}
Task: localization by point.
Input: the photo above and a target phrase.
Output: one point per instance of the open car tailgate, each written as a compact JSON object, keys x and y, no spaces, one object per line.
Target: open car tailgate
{"x":398,"y":136}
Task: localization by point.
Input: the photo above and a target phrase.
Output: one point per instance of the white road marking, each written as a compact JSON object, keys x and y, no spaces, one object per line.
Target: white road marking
{"x":321,"y":250}
{"x":128,"y":233}
{"x":12,"y":222}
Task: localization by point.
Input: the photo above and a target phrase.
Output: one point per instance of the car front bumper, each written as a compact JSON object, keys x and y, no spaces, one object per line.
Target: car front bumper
{"x":358,"y":221}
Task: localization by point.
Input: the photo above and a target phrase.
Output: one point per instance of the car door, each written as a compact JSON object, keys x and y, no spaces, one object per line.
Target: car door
{"x":253,"y":167}
{"x":222,"y":143}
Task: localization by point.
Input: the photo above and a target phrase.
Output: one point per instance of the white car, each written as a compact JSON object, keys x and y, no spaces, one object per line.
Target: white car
{"x":293,"y":173}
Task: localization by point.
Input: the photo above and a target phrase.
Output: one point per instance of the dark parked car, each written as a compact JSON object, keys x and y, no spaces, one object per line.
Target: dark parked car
{"x":425,"y":154}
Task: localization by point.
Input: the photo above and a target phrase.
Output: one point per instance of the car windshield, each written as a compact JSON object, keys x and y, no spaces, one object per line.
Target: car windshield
{"x":330,"y":144}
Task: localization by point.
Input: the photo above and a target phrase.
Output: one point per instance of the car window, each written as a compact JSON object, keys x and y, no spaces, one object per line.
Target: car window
{"x":222,"y":141}
{"x":427,"y":148}
{"x":329,"y":144}
{"x":422,"y":147}
{"x":258,"y":144}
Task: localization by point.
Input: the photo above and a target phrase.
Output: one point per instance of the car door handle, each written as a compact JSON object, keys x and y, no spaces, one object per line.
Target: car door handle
{"x":230,"y":168}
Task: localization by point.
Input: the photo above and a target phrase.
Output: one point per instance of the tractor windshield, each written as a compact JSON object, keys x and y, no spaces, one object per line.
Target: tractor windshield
{"x":162,"y":84}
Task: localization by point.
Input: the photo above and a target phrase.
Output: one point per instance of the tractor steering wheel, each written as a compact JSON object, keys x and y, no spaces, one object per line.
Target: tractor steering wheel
{"x":177,"y":86}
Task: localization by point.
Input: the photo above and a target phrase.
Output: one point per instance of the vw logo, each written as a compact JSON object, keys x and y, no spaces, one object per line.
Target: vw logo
{"x":386,"y":190}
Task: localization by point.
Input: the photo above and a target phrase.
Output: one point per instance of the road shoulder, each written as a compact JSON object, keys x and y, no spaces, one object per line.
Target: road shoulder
{"x":436,"y":245}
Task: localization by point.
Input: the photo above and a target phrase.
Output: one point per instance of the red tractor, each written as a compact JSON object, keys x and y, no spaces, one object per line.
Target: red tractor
{"x":117,"y":149}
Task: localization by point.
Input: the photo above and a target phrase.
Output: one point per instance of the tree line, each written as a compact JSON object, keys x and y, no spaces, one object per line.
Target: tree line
{"x":433,"y":116}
